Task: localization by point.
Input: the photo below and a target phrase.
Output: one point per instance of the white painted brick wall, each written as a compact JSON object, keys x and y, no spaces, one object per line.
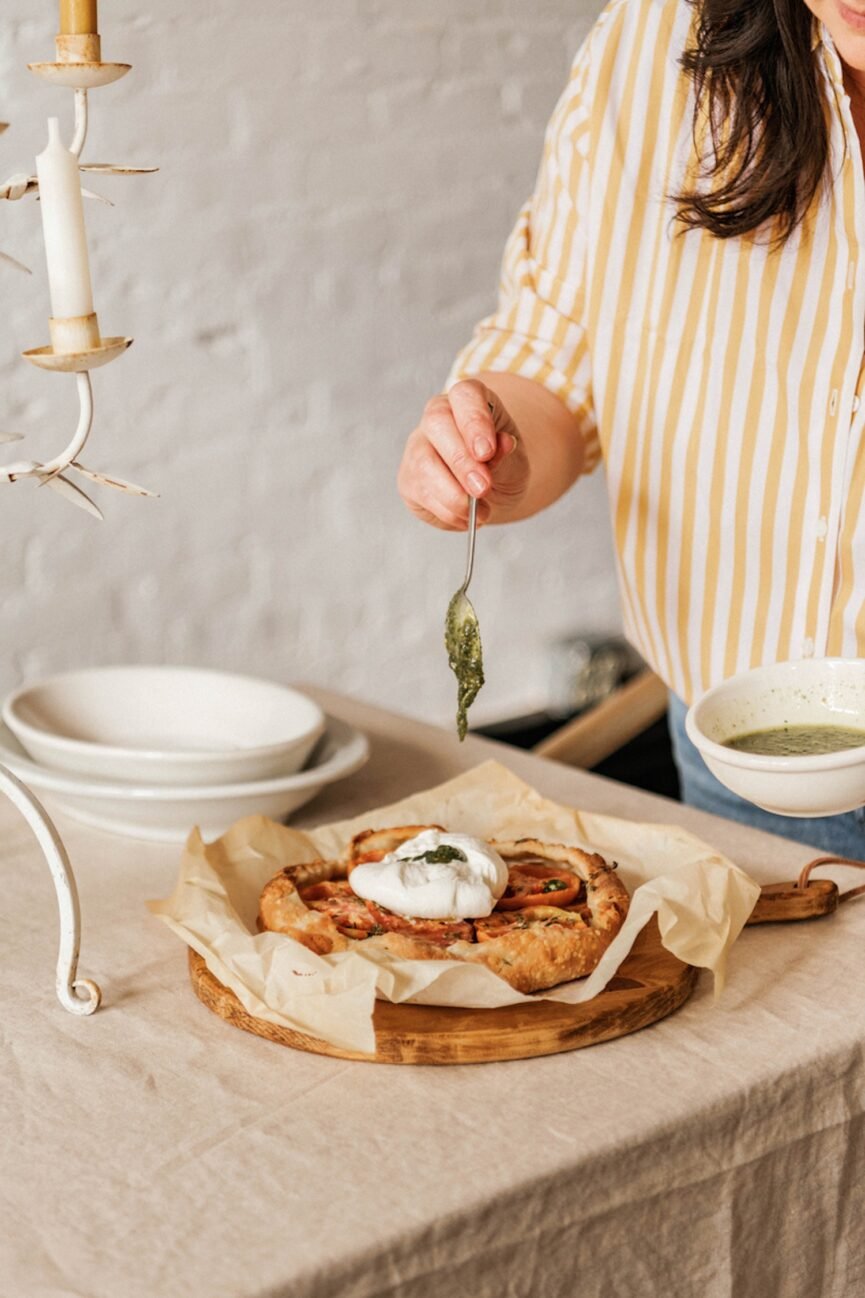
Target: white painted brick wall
{"x":338,"y":178}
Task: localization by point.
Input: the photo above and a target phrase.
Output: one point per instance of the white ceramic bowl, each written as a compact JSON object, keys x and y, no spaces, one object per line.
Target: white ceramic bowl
{"x":815,"y":691}
{"x":165,"y":814}
{"x":165,"y":725}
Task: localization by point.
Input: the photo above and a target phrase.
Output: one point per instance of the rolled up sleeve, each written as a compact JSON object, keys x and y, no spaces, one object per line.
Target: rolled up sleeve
{"x":538,"y":329}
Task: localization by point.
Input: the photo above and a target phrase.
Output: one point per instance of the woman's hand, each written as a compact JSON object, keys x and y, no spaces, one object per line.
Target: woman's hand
{"x":466,"y":444}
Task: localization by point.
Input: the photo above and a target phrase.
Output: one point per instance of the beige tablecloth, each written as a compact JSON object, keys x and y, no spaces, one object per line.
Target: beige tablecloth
{"x":152,"y":1151}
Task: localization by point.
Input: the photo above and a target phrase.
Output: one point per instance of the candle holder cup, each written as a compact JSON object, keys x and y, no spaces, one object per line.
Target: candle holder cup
{"x":79,"y":63}
{"x":85,"y":47}
{"x":80,"y":75}
{"x":76,"y":345}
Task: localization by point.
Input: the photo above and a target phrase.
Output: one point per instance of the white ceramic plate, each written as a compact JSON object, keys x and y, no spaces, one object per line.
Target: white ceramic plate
{"x":167,"y":814}
{"x":165,"y":725}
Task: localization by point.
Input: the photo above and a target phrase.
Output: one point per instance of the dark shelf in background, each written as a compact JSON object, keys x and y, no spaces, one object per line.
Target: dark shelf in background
{"x":645,"y":763}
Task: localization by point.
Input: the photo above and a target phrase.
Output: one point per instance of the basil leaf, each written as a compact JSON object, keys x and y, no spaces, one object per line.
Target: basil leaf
{"x":441,"y":855}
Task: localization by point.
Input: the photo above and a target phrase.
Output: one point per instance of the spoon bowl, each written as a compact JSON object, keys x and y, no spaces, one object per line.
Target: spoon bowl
{"x":463,"y":636}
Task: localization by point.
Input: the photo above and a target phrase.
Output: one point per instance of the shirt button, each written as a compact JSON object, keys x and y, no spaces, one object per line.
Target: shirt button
{"x":821,"y":528}
{"x":808,"y":648}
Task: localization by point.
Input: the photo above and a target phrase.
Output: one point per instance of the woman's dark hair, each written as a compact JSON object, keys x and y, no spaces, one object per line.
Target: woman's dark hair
{"x":757,"y":86}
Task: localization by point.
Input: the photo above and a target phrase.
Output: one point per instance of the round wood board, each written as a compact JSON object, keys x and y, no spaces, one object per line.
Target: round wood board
{"x":650,"y":984}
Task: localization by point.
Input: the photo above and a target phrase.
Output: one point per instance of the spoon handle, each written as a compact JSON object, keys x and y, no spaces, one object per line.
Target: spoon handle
{"x":472,"y":531}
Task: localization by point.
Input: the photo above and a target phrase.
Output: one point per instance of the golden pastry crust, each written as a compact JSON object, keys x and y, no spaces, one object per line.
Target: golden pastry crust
{"x":532,"y":947}
{"x":281,"y":909}
{"x":606,"y":896}
{"x":555,"y":945}
{"x":373,"y":844}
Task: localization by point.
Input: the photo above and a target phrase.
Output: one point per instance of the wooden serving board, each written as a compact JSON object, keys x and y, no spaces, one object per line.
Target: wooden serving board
{"x":779,"y":903}
{"x":650,"y":984}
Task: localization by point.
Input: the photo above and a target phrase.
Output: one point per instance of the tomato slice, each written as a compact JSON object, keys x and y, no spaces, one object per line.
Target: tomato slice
{"x":539,"y":883}
{"x":440,"y":932}
{"x":357,"y":918}
{"x":350,"y":913}
{"x":364,"y":857}
{"x":498,"y":923}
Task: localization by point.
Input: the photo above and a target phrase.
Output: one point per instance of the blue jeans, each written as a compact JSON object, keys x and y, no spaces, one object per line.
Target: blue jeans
{"x":839,"y":835}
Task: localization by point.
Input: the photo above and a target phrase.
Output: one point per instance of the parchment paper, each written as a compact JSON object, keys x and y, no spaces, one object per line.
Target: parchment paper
{"x":701,"y":899}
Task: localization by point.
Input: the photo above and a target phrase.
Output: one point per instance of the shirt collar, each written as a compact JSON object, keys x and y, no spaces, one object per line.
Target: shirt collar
{"x":822,"y":38}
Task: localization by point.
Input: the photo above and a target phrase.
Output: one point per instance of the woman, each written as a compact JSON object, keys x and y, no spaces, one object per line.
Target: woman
{"x":684,"y":297}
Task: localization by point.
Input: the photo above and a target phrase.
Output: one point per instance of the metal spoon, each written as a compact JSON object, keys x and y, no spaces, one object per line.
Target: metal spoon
{"x":463,"y":637}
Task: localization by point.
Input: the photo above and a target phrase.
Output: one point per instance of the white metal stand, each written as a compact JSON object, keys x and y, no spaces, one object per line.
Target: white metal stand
{"x":79,"y":67}
{"x":77,"y":995}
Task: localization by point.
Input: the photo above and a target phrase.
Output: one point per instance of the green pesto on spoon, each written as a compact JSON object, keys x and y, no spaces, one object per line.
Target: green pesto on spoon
{"x":463,"y":636}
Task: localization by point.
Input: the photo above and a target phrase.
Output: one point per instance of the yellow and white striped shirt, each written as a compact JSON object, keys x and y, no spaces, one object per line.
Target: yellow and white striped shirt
{"x":721,"y":381}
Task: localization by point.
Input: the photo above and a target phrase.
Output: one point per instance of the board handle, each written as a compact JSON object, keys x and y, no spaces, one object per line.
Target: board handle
{"x":806,"y":898}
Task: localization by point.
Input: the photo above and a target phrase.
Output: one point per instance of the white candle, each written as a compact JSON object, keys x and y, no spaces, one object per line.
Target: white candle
{"x":63,"y":228}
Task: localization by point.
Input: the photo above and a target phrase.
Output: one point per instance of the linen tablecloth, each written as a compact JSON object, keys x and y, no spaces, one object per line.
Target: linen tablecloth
{"x":152,"y":1151}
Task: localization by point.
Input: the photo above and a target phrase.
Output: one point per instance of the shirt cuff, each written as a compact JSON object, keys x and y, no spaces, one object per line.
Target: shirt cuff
{"x":502,"y":352}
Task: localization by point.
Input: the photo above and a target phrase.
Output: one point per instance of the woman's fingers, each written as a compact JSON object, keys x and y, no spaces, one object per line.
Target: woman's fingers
{"x":470,"y":404}
{"x":430,"y":489}
{"x":465,"y":445}
{"x":441,"y":425}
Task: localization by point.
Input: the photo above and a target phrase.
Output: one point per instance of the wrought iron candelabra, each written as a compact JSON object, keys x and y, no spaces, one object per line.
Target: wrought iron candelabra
{"x":76,"y":347}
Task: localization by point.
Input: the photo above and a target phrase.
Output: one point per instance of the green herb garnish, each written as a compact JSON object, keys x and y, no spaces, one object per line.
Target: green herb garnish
{"x":554,"y":885}
{"x":441,"y":855}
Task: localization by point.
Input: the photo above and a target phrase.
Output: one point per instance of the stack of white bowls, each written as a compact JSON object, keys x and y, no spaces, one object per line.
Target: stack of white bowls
{"x":150,"y":752}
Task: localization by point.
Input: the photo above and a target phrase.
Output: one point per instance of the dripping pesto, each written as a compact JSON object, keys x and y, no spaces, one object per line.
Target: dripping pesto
{"x":463,"y":644}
